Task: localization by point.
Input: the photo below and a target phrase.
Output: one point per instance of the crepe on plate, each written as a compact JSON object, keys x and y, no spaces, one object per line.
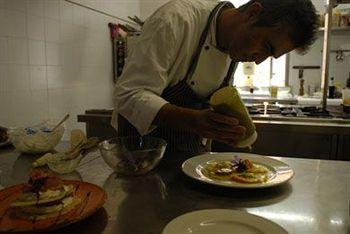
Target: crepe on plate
{"x":44,"y":196}
{"x":238,"y":170}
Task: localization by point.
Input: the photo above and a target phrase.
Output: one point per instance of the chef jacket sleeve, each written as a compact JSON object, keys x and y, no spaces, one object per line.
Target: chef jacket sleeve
{"x":145,"y":76}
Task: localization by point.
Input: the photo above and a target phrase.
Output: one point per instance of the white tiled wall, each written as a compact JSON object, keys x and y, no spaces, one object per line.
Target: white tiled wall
{"x":55,"y":58}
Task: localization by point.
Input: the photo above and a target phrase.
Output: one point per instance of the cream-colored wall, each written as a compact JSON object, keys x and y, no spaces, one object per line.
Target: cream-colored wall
{"x":338,"y":69}
{"x":55,"y":58}
{"x":147,"y":7}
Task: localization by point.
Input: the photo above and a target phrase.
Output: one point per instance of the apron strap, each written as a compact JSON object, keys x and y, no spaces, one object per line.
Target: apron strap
{"x":202,"y":39}
{"x":231,"y":70}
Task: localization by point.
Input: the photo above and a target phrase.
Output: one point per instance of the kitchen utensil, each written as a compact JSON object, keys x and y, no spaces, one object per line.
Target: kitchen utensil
{"x":137,"y":20}
{"x":82,"y":149}
{"x":61,"y":122}
{"x":228,"y":101}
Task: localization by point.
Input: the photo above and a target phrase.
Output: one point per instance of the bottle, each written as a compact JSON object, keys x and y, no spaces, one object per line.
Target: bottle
{"x":301,"y":87}
{"x":331,"y":88}
{"x":249,"y":70}
{"x":228,"y":101}
{"x":336,"y":16}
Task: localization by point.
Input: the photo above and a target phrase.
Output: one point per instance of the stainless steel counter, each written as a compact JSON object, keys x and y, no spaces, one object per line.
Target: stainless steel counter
{"x":333,"y":126}
{"x":325,"y":122}
{"x":315,"y":201}
{"x":321,"y":138}
{"x":257,"y":99}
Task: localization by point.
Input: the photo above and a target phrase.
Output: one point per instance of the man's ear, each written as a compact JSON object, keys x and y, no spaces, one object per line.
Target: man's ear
{"x":253,"y":11}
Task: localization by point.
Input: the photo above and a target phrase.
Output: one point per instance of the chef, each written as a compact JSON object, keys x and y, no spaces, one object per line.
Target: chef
{"x":187,"y":50}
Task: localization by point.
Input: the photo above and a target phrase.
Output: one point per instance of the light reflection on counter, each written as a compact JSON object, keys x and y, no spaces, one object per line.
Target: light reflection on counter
{"x":284,"y":216}
{"x":336,"y":221}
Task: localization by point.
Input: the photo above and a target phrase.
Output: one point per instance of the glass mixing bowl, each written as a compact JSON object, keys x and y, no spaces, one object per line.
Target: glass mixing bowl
{"x":132,"y":155}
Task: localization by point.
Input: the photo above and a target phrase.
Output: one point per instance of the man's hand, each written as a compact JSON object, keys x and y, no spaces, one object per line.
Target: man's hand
{"x":205,"y":123}
{"x":218,"y":127}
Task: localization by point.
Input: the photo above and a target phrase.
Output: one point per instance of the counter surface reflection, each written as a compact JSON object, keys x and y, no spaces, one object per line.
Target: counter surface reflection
{"x":316,"y":200}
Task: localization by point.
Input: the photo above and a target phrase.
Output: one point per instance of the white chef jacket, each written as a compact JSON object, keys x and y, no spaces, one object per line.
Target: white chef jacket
{"x":161,"y":57}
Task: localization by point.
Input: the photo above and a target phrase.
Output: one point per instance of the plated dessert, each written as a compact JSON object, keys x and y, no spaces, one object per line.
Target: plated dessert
{"x":238,"y":170}
{"x":44,"y":196}
{"x":46,"y":203}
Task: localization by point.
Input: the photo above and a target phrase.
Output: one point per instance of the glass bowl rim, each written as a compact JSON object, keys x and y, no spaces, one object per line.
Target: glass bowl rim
{"x":161,"y":140}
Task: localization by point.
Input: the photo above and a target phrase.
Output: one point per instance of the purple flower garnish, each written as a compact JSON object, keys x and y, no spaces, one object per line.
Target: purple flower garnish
{"x":238,"y":164}
{"x":236,"y":160}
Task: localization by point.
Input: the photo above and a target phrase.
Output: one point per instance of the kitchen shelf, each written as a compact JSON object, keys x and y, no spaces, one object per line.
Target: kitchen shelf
{"x":329,"y":5}
{"x":337,"y":29}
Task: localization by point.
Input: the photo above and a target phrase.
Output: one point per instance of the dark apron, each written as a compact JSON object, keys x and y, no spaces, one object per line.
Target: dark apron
{"x":182,"y":95}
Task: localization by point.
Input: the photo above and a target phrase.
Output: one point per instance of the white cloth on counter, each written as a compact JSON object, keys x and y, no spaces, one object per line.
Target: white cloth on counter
{"x":161,"y":58}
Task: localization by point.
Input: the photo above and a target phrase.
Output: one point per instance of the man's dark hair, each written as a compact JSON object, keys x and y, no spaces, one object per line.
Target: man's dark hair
{"x":299,"y":15}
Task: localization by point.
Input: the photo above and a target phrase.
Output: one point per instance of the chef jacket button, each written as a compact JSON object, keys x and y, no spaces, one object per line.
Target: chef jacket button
{"x":192,"y":82}
{"x":206,"y":47}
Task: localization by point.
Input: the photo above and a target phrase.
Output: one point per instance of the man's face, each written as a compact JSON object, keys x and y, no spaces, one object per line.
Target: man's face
{"x":255,"y":44}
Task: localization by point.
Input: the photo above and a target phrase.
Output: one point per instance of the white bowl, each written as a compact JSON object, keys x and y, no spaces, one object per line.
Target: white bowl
{"x":36,"y":139}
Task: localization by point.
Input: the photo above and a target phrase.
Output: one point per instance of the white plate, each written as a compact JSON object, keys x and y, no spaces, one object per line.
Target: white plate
{"x":221,"y":221}
{"x":280,"y":172}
